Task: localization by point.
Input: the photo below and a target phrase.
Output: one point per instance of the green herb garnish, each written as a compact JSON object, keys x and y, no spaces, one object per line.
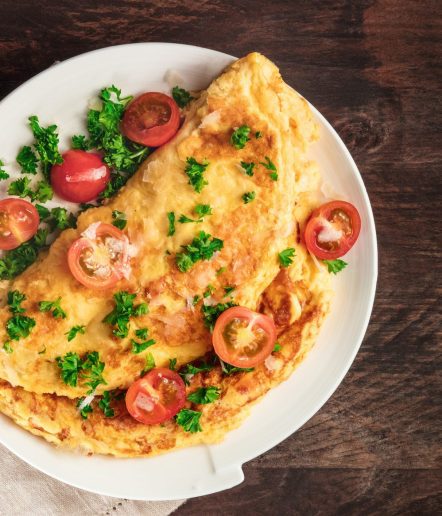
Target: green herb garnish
{"x":74,"y":331}
{"x":202,"y":247}
{"x":204,"y":395}
{"x":195,"y":171}
{"x":172,"y":364}
{"x":7,"y":347}
{"x":248,"y":197}
{"x":27,"y":160}
{"x":189,"y":420}
{"x":17,"y":260}
{"x":286,"y":257}
{"x":248,"y":167}
{"x":54,"y":307}
{"x":269,"y":165}
{"x":240,"y":137}
{"x":119,"y":219}
{"x":3,"y":174}
{"x":212,"y":312}
{"x":15,"y":299}
{"x":335,"y":266}
{"x":181,"y":96}
{"x":104,"y":404}
{"x":19,"y":326}
{"x":123,"y":311}
{"x":171,"y":219}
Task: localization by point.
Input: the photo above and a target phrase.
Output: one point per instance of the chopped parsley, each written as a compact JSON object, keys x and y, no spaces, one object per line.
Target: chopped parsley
{"x":221,"y":270}
{"x":269,"y":165}
{"x":86,"y":409}
{"x":7,"y":347}
{"x":204,"y":395}
{"x":190,"y":369}
{"x":335,"y":266}
{"x":210,"y":289}
{"x":286,"y":257}
{"x":230,"y":369}
{"x":20,"y":187}
{"x":181,"y":96}
{"x":92,"y":370}
{"x":142,"y":333}
{"x":258,"y":134}
{"x":171,"y":219}
{"x":195,"y":172}
{"x":150,"y":364}
{"x":70,"y":366}
{"x":212,"y":312}
{"x":248,"y":197}
{"x":189,"y":420}
{"x":123,"y":311}
{"x":240,"y":137}
{"x":138,"y":347}
{"x":248,"y":167}
{"x":277,"y":348}
{"x":195,"y":299}
{"x":15,"y":299}
{"x":202,"y":247}
{"x":27,"y":160}
{"x":43,"y":212}
{"x":119,"y":219}
{"x":19,"y":326}
{"x":61,"y":219}
{"x":3,"y":174}
{"x":172,"y":364}
{"x":104,"y":404}
{"x":79,"y":141}
{"x":228,"y":290}
{"x":74,"y":331}
{"x":17,"y":260}
{"x":184,"y":219}
{"x":54,"y":307}
{"x":202,"y":210}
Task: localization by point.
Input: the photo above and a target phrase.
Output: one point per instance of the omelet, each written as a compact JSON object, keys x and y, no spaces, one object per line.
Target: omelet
{"x":249,"y":93}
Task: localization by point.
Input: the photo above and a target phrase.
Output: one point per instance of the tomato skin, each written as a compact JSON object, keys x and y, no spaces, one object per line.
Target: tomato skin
{"x":240,"y":357}
{"x":82,"y":244}
{"x":341,"y":216}
{"x":19,"y":222}
{"x":162,"y":391}
{"x":151,"y":119}
{"x":81,"y":177}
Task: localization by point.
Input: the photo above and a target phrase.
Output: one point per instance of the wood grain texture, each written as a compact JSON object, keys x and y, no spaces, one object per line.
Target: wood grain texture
{"x":373,"y":68}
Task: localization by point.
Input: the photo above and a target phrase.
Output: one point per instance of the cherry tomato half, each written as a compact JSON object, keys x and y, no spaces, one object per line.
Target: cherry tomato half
{"x":156,"y":397}
{"x":19,"y":222}
{"x":81,"y":177}
{"x":243,"y":338}
{"x":100,"y":258}
{"x":332,"y":230}
{"x":151,"y":119}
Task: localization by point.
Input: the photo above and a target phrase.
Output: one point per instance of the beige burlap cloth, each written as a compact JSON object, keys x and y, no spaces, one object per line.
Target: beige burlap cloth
{"x":25,"y":491}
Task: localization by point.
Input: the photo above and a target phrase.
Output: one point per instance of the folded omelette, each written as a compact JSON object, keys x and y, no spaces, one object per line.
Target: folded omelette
{"x":32,"y":392}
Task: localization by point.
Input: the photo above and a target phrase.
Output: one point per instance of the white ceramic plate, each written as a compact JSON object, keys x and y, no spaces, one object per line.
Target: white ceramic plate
{"x":60,"y":95}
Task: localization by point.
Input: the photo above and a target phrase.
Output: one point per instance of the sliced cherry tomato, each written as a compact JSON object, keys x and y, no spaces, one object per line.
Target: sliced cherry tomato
{"x":156,"y":397}
{"x":100,"y":258}
{"x":81,"y":177}
{"x":19,"y":222}
{"x":332,"y":230}
{"x":151,"y":119}
{"x":243,"y":338}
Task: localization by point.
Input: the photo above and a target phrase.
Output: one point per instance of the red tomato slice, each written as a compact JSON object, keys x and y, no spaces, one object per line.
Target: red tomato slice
{"x":156,"y":397}
{"x":243,"y":338}
{"x":332,"y":230}
{"x":81,"y":177}
{"x":151,"y":119}
{"x":19,"y":222}
{"x":101,"y":259}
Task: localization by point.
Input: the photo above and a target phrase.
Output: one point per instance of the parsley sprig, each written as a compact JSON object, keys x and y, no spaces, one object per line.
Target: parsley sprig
{"x":17,"y":260}
{"x":74,"y":331}
{"x":202,"y":247}
{"x":240,"y":137}
{"x":201,"y":210}
{"x":335,"y":266}
{"x":21,"y":188}
{"x":54,"y":307}
{"x":248,"y":197}
{"x":195,"y":172}
{"x":189,"y":420}
{"x":248,"y":167}
{"x":124,"y":309}
{"x":119,"y":219}
{"x":286,"y":256}
{"x":212,"y":312}
{"x":3,"y":174}
{"x":181,"y":96}
{"x":205,"y":395}
{"x":269,"y":165}
{"x":72,"y":367}
{"x":18,"y":326}
{"x":171,"y":220}
{"x":15,"y":299}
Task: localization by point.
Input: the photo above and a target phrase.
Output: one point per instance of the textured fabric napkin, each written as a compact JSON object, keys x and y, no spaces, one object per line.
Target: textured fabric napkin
{"x":25,"y":491}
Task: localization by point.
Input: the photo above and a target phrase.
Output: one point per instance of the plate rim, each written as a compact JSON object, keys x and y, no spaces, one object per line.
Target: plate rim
{"x":237,"y":467}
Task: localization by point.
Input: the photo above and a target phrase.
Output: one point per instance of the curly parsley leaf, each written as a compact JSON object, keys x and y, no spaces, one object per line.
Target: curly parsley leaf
{"x":212,"y":312}
{"x":17,"y":260}
{"x":19,"y":326}
{"x":335,"y":266}
{"x":181,"y":96}
{"x":105,"y":404}
{"x":3,"y":173}
{"x":123,"y":311}
{"x":202,"y":210}
{"x":269,"y":165}
{"x":15,"y":299}
{"x":171,"y":219}
{"x":45,"y":145}
{"x":92,"y":370}
{"x":210,"y":289}
{"x":138,"y":347}
{"x":119,"y":219}
{"x":7,"y":347}
{"x":43,"y":212}
{"x":202,"y":247}
{"x":70,"y":366}
{"x":189,"y":420}
{"x":142,"y":333}
{"x":277,"y":348}
{"x":228,"y":290}
{"x":189,"y":370}
{"x":172,"y":364}
{"x":149,"y":365}
{"x":240,"y":137}
{"x":62,"y":219}
{"x":79,"y":141}
{"x":230,"y":369}
{"x":54,"y":307}
{"x":27,"y":160}
{"x":204,"y":395}
{"x":74,"y":331}
{"x":248,"y":167}
{"x":43,"y":192}
{"x":195,"y":172}
{"x":286,"y":257}
{"x":20,"y":187}
{"x":248,"y":197}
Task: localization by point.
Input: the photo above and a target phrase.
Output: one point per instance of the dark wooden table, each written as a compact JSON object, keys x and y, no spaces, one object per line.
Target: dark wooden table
{"x":372,"y":68}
